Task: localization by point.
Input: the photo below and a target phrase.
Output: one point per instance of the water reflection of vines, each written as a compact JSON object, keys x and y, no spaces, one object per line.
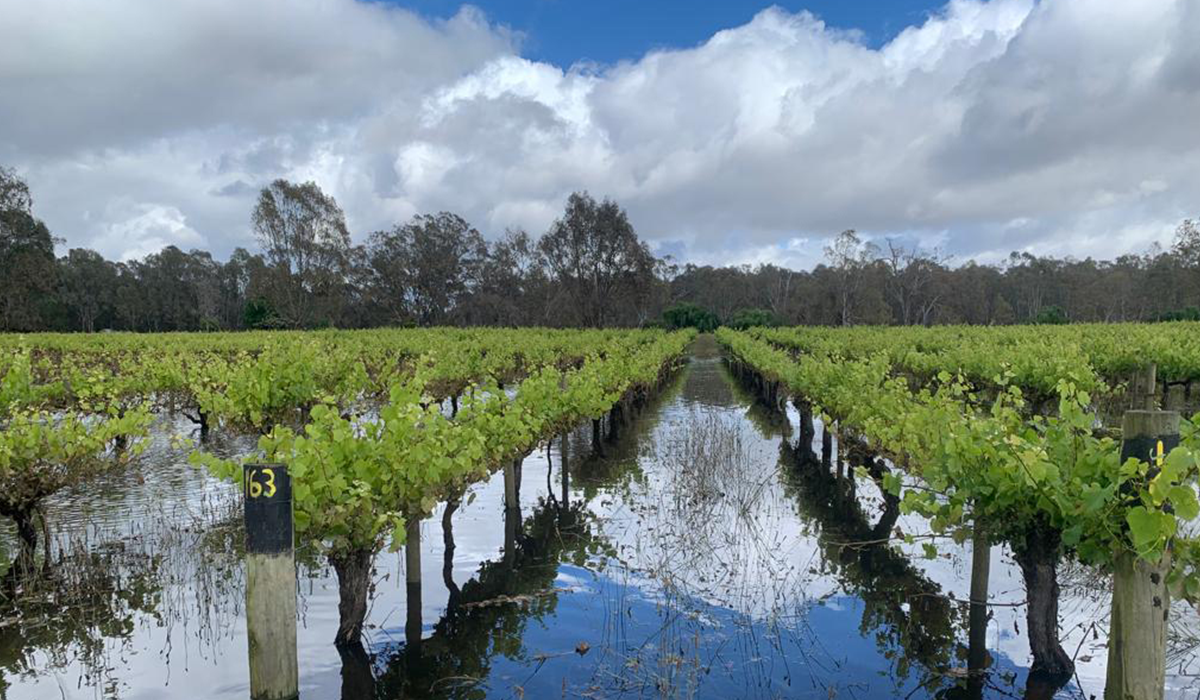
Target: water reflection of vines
{"x":90,"y":605}
{"x":911,"y":620}
{"x":488,"y":616}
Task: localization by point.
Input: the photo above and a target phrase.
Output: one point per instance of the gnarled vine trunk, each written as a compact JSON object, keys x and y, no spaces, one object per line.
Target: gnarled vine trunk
{"x":27,"y":540}
{"x":1038,"y":558}
{"x":358,"y":680}
{"x":448,"y":549}
{"x":354,"y":582}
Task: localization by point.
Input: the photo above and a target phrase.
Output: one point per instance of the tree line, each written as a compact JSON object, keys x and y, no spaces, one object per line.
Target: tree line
{"x":588,"y":269}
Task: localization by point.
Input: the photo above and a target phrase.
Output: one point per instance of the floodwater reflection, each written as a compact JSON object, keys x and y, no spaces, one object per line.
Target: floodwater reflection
{"x":710,"y":553}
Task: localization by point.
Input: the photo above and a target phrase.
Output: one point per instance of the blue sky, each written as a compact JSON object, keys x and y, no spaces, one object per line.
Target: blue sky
{"x":564,"y":32}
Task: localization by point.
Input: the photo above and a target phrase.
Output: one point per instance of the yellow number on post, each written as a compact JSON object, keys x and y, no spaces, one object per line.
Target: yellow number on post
{"x":270,"y":482}
{"x":255,"y":489}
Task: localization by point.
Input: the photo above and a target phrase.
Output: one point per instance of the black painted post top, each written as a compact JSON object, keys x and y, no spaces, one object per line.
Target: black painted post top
{"x":267,"y":491}
{"x":1147,"y":435}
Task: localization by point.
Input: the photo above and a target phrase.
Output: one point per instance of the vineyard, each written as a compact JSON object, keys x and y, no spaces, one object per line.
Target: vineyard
{"x":1001,"y":437}
{"x":358,"y":418}
{"x":1004,"y":431}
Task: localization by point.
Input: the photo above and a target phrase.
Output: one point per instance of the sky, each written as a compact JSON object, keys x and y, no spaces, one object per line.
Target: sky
{"x":566,"y":32}
{"x":731,"y":132}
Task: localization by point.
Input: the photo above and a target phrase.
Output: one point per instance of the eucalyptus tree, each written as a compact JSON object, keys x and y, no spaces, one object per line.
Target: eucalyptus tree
{"x":26,"y":257}
{"x":423,"y":270}
{"x":306,"y":244}
{"x":849,"y":257}
{"x":594,"y":254}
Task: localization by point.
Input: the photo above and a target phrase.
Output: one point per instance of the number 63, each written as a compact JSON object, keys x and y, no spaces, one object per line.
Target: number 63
{"x":256,"y":489}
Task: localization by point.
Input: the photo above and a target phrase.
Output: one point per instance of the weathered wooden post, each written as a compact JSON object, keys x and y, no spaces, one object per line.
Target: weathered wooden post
{"x":412,"y":579}
{"x":270,"y":583}
{"x":512,"y":522}
{"x":518,"y":463}
{"x":1147,"y":389}
{"x":807,"y":431}
{"x":826,"y":445}
{"x":981,"y":564}
{"x":1175,"y":397}
{"x":510,"y":485}
{"x":1137,"y":641}
{"x":597,"y":444}
{"x":566,"y":470}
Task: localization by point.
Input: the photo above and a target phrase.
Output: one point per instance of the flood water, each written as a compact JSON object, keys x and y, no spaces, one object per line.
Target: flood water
{"x":705,"y":554}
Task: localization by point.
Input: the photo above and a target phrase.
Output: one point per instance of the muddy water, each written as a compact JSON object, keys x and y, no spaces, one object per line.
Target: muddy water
{"x":704,"y":554}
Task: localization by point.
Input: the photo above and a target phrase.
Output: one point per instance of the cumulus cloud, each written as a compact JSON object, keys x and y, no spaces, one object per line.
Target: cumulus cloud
{"x":1062,"y":126}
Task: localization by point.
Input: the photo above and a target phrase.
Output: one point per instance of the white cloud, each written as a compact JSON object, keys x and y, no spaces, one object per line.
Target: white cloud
{"x":138,"y":230}
{"x":1072,"y":117}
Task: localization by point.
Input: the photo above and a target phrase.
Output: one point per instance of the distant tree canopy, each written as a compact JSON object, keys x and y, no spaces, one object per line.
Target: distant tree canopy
{"x":690,"y":316}
{"x":1052,"y":315}
{"x":751,"y":318}
{"x":589,"y":269}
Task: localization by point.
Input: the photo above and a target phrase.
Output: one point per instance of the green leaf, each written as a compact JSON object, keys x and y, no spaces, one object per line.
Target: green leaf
{"x":1147,"y":527}
{"x":1143,"y":526}
{"x":1072,"y":535}
{"x":1094,"y":497}
{"x":1183,"y":498}
{"x":399,"y":536}
{"x":891,"y":483}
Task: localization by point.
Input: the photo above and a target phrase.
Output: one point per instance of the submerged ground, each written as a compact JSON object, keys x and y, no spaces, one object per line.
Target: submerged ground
{"x":703,"y":555}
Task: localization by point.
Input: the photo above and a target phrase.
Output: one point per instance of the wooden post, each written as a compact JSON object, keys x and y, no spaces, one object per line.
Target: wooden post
{"x":807,"y":431}
{"x":826,"y":445}
{"x":512,"y":522}
{"x":510,"y":485}
{"x":1147,"y":397}
{"x":597,"y":444}
{"x":412,"y":579}
{"x":270,"y":583}
{"x":981,"y":563}
{"x":1137,"y":641}
{"x":1174,"y":397}
{"x":566,"y":470}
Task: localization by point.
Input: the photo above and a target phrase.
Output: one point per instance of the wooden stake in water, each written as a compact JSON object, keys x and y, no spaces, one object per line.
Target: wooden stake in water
{"x":597,"y":443}
{"x":981,"y":562}
{"x":270,"y":583}
{"x":510,"y":485}
{"x":412,"y":579}
{"x":826,"y":445}
{"x":1137,"y":642}
{"x":566,"y":473}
